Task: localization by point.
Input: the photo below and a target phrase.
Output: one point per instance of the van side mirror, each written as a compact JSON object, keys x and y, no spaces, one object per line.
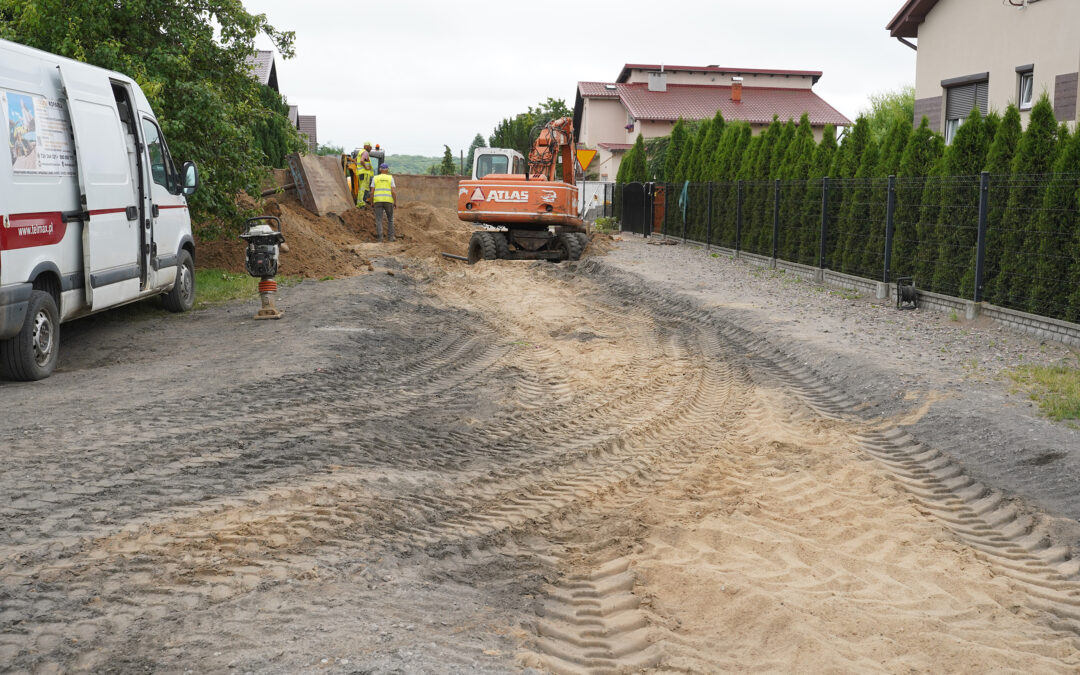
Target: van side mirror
{"x":191,"y":178}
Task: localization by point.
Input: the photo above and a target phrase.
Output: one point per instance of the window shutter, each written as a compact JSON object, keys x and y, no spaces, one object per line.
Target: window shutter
{"x":960,"y":100}
{"x":982,"y":93}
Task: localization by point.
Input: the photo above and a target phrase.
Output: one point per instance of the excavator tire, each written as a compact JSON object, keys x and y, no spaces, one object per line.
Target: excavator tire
{"x":481,"y":247}
{"x":502,"y":246}
{"x":570,"y":245}
{"x":584,"y":239}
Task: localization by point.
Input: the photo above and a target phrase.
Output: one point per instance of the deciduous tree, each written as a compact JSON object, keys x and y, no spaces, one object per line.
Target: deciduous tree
{"x":191,"y":59}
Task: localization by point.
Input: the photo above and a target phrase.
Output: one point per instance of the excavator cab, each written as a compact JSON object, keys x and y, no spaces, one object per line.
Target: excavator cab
{"x":497,"y":160}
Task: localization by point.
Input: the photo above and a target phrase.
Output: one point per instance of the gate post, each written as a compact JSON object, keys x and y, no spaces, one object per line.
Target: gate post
{"x":775,"y":221}
{"x":824,"y":221}
{"x":980,"y":246}
{"x":890,"y":227}
{"x":708,"y":220}
{"x":647,"y":223}
{"x":738,"y":217}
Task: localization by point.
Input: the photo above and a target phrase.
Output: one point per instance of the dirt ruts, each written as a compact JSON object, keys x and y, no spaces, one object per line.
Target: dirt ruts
{"x":493,"y":468}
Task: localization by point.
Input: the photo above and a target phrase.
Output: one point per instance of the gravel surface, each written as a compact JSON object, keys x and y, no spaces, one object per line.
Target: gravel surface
{"x":650,"y":460}
{"x":893,"y":360}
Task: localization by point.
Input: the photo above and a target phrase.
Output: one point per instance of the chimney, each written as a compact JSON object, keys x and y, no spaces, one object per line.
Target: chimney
{"x":658,"y":81}
{"x":736,"y":89}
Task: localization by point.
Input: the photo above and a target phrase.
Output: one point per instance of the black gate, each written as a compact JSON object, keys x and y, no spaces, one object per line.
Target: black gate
{"x":634,"y":214}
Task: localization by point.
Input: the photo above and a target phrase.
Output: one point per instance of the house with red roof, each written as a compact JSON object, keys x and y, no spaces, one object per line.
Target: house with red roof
{"x":990,"y":54}
{"x":649,"y":99}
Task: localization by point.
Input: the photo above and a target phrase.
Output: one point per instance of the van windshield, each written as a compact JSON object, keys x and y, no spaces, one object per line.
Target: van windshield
{"x":486,"y":164}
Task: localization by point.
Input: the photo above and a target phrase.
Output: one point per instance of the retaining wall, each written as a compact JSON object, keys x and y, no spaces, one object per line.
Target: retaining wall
{"x":440,"y":191}
{"x":1040,"y":326}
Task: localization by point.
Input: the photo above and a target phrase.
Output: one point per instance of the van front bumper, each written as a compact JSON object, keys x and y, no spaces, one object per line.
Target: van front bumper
{"x":14,"y":300}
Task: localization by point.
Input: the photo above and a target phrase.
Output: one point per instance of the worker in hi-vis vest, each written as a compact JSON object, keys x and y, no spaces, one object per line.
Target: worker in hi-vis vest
{"x":384,"y":196}
{"x":363,"y":168}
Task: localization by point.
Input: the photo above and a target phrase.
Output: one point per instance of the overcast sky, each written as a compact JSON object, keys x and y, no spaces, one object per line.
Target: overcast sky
{"x":414,"y":75}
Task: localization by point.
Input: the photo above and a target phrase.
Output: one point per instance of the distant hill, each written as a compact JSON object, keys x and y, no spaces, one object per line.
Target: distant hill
{"x":411,"y":163}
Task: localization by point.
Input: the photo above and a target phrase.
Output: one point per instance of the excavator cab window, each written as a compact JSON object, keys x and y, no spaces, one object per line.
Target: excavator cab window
{"x":492,"y":164}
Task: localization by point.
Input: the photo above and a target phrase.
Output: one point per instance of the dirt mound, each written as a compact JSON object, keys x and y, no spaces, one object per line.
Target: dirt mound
{"x":341,"y":245}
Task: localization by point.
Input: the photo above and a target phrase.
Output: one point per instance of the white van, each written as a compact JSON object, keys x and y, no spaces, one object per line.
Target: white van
{"x":93,"y":213}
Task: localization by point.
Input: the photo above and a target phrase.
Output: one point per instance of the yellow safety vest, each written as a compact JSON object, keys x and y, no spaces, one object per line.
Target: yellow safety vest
{"x":382,"y":184}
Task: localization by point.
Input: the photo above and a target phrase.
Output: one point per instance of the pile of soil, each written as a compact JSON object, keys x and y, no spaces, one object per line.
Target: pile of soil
{"x":342,"y":245}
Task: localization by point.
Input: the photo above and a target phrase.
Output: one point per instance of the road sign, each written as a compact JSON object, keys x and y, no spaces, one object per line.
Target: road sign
{"x":585,"y":157}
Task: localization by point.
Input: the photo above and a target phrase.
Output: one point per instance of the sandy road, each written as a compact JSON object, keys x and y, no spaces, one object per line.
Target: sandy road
{"x":503,"y":467}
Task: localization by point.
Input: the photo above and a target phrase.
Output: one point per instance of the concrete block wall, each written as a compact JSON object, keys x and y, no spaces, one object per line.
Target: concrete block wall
{"x":439,"y":191}
{"x":1032,"y":324}
{"x":1039,"y":326}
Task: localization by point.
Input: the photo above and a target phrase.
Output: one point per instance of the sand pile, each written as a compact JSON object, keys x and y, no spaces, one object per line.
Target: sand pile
{"x":340,"y":245}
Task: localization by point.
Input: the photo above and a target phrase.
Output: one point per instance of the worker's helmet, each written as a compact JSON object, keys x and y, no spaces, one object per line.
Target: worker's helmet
{"x":384,"y":166}
{"x":367,"y":144}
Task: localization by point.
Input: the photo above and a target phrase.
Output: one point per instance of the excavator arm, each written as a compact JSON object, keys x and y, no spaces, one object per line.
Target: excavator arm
{"x":556,"y":140}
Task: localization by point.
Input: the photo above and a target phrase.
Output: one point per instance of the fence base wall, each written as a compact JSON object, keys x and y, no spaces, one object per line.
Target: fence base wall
{"x":1032,"y":324}
{"x":1039,"y":326}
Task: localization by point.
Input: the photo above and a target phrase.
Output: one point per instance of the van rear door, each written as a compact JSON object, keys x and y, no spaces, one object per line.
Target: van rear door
{"x":109,"y":192}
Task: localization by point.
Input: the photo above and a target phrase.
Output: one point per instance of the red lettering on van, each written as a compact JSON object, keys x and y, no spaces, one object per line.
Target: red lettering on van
{"x":26,"y":230}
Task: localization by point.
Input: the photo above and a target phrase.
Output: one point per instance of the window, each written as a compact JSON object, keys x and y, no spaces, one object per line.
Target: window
{"x":959,"y":101}
{"x":519,"y":165}
{"x":951,"y":127}
{"x":491,"y":164}
{"x":162,"y":170}
{"x":1026,"y":87}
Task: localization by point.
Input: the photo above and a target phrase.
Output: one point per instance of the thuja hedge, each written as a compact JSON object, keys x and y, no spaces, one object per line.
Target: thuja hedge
{"x":1032,"y":257}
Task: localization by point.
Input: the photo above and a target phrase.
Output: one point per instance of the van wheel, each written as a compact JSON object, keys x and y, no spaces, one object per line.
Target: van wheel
{"x":182,"y":296}
{"x":33,"y":352}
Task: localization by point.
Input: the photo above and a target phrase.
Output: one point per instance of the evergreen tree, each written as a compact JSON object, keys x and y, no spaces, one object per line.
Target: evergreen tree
{"x":847,"y":164}
{"x":857,"y":225}
{"x":273,"y":131}
{"x":922,"y":151}
{"x":675,"y":148}
{"x":999,"y":165}
{"x":707,"y":153}
{"x":693,"y":163}
{"x":447,"y":167}
{"x":757,"y":203}
{"x":729,"y":158}
{"x":820,"y":165}
{"x":787,"y":136}
{"x":682,"y":172}
{"x":1056,"y":232}
{"x":892,"y":150}
{"x":1035,"y":153}
{"x":636,"y":169}
{"x":958,"y":214}
{"x":924,"y":249}
{"x":477,"y":142}
{"x":794,"y":170}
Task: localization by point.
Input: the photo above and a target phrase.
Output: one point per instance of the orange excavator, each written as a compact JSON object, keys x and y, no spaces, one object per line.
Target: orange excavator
{"x":530,"y":216}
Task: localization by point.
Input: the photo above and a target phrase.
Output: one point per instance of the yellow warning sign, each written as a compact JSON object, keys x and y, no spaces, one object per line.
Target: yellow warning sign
{"x":585,"y":157}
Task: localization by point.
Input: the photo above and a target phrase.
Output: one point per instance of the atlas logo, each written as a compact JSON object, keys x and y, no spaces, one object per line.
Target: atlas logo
{"x":548,"y":196}
{"x":508,"y":196}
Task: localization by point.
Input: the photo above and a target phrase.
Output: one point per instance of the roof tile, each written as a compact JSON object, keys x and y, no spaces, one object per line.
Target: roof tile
{"x":696,"y":102}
